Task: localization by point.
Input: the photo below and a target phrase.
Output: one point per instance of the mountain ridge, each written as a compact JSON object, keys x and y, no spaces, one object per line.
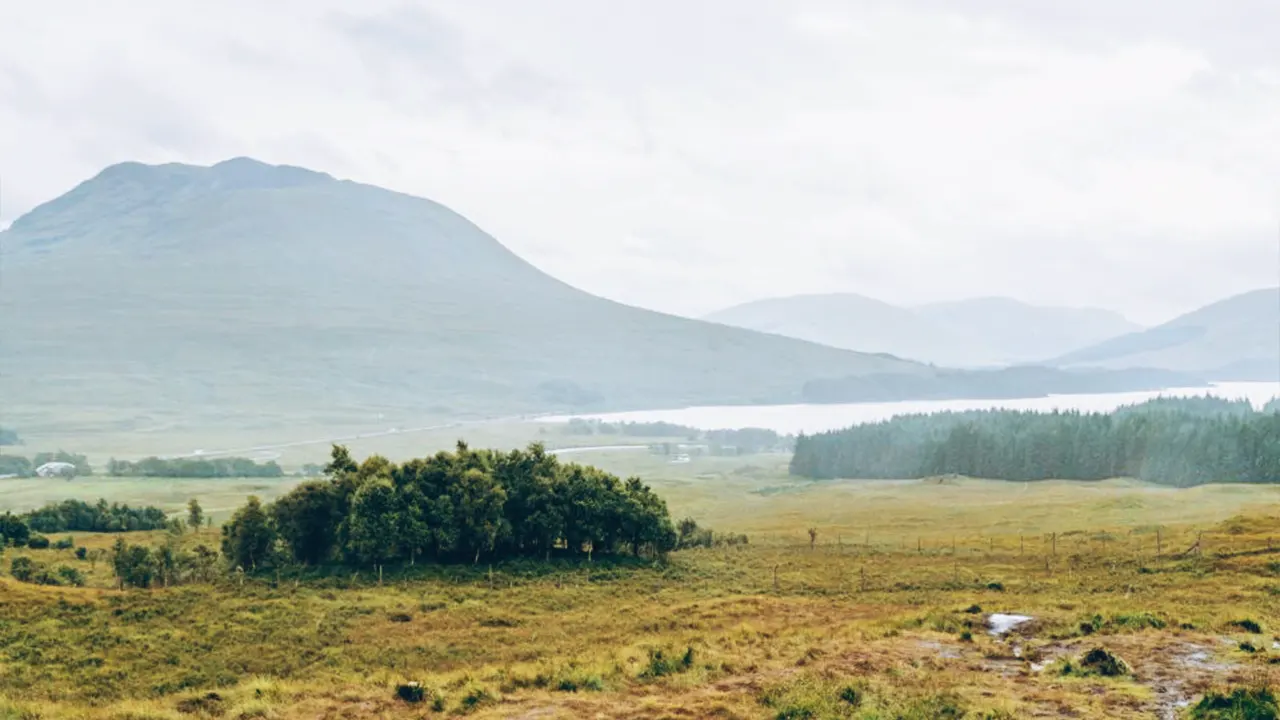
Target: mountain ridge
{"x":1235,"y":338}
{"x":208,"y":290}
{"x":976,"y":332}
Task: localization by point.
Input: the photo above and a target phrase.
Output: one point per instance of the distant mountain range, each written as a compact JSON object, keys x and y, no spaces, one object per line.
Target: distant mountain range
{"x":255,"y":297}
{"x":178,"y":293}
{"x":981,"y":332}
{"x":1233,"y":339}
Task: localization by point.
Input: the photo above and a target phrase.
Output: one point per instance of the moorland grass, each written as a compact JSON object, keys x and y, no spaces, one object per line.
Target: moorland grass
{"x":883,"y":617}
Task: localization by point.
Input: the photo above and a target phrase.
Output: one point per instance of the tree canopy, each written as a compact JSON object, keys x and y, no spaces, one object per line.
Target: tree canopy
{"x":1171,"y":441}
{"x":194,"y":468}
{"x":463,"y":505}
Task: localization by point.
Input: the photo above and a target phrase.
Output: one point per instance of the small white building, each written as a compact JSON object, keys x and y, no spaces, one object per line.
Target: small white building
{"x":56,"y":469}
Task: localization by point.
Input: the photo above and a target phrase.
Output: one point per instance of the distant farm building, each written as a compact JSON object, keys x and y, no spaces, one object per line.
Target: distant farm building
{"x":56,"y":469}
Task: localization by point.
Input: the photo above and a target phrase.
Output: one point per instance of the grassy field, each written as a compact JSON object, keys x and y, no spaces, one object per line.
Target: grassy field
{"x":883,"y":616}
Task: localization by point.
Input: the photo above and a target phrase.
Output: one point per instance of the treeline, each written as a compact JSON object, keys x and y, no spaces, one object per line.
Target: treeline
{"x":744,"y":441}
{"x":232,"y":467}
{"x":453,"y":506}
{"x":1180,"y":442}
{"x":23,"y":467}
{"x":80,"y":516}
{"x":592,"y":426}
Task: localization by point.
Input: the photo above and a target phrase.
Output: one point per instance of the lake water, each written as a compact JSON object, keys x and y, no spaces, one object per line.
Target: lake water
{"x":819,"y":418}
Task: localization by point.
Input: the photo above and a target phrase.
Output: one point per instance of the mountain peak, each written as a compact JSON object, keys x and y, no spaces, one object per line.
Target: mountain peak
{"x":243,"y":173}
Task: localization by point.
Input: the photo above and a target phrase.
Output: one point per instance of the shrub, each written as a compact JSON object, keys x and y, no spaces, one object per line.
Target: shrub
{"x":661,"y":664}
{"x":82,"y":552}
{"x":475,"y":698}
{"x":411,"y":692}
{"x":70,"y":576}
{"x":1247,"y":625}
{"x":1097,"y":662}
{"x":65,"y":543}
{"x":38,"y":542}
{"x":22,"y":569}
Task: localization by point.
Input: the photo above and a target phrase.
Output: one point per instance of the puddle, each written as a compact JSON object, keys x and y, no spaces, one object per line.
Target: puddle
{"x":999,"y":624}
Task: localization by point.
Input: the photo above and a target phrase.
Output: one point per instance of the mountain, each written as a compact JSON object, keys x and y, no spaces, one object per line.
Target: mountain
{"x":176,"y":293}
{"x":968,"y":333}
{"x":1018,"y":333}
{"x":1233,"y":339}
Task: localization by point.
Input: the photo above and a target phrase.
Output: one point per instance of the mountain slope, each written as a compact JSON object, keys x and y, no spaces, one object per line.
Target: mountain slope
{"x":247,"y":290}
{"x":979,"y":332}
{"x":849,"y":321}
{"x":1017,"y":332}
{"x":1233,"y":339}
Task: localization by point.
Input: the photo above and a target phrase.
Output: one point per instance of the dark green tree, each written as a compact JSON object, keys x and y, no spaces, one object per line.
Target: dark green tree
{"x":248,"y":538}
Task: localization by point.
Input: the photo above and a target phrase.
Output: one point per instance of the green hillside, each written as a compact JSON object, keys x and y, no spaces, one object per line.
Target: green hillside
{"x":244,"y":292}
{"x":1233,"y":339}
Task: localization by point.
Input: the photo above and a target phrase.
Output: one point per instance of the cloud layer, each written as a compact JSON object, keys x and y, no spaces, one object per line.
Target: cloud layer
{"x":686,"y":156}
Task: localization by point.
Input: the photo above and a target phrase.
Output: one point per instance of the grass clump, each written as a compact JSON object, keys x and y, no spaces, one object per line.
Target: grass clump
{"x":813,"y":697}
{"x":1239,"y":704}
{"x":1098,"y":662}
{"x":662,"y":664}
{"x":474,"y":699}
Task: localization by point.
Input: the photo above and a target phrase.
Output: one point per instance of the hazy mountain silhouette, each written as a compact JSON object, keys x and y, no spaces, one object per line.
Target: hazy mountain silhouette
{"x":977,"y":332}
{"x":1233,"y":339}
{"x":186,"y":291}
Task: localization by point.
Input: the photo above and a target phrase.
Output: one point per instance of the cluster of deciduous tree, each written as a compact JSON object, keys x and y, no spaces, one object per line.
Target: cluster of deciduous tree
{"x":25,"y":569}
{"x":461,"y":505}
{"x":142,"y":566}
{"x":194,"y":468}
{"x":1179,"y":442}
{"x":593,"y":426}
{"x":80,"y":516}
{"x":13,"y":530}
{"x":23,"y":467}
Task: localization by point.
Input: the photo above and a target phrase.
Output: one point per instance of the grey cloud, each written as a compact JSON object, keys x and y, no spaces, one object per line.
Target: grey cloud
{"x":1089,"y":152}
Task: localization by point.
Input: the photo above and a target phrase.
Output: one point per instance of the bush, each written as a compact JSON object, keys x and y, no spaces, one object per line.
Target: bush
{"x":1247,"y":625}
{"x":65,"y":543}
{"x":82,"y":552}
{"x":411,"y":692}
{"x":661,"y":664}
{"x":1097,"y":662}
{"x":475,"y":699}
{"x":38,"y":542}
{"x":70,"y":576}
{"x":22,"y":569}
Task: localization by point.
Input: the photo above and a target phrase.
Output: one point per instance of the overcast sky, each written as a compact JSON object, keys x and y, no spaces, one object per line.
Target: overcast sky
{"x":686,"y":155}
